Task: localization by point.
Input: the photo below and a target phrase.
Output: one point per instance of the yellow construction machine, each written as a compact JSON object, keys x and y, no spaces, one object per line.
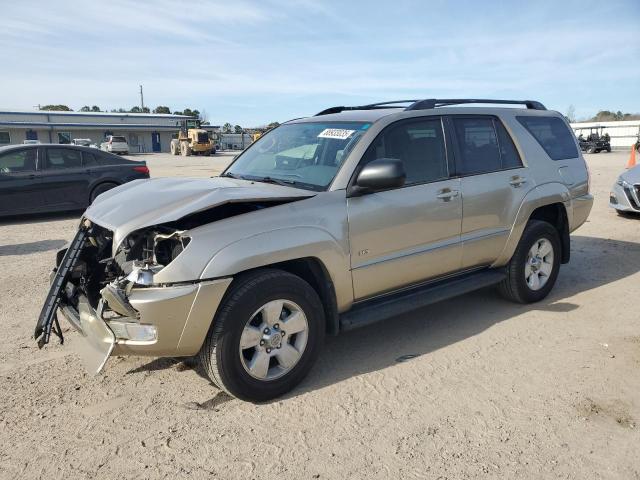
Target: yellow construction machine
{"x":192,"y":140}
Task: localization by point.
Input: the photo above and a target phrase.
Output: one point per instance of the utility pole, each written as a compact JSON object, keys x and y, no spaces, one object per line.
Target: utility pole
{"x":141,"y":99}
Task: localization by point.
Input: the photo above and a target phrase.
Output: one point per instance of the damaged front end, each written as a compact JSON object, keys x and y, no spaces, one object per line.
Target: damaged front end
{"x":93,"y":288}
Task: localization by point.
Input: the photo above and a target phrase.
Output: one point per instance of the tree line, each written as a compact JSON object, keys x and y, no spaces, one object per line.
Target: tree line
{"x":601,"y":116}
{"x":135,"y":109}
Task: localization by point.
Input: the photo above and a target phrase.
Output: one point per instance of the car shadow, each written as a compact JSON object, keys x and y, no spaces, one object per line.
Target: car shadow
{"x":594,"y":262}
{"x":40,"y":217}
{"x":31,"y":247}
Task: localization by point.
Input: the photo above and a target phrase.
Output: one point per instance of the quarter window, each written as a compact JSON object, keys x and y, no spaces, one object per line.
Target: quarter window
{"x":5,"y":138}
{"x":420,"y":146}
{"x":553,"y":135}
{"x":60,"y":158}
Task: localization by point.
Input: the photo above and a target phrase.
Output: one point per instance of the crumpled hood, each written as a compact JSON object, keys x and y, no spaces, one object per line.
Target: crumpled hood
{"x":143,"y":203}
{"x":632,"y":175}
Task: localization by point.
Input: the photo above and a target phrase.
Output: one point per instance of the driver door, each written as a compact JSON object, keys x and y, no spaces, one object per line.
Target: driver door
{"x":407,"y":235}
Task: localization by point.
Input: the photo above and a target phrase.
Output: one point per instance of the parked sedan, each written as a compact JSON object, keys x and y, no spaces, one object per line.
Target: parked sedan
{"x":39,"y":178}
{"x":625,"y":193}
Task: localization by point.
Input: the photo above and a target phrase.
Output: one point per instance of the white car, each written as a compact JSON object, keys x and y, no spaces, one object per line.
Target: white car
{"x":84,"y":142}
{"x":115,"y":144}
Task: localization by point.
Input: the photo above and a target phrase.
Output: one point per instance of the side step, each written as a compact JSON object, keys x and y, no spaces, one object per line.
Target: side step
{"x":412,"y":299}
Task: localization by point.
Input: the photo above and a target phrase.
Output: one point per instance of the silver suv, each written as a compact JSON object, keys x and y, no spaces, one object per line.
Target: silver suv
{"x":324,"y":224}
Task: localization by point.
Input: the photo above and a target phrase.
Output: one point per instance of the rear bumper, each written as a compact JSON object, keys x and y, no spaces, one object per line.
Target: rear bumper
{"x":581,"y":209}
{"x":179,"y":316}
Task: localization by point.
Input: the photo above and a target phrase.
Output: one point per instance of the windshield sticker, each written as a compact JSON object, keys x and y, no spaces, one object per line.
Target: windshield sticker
{"x":337,"y":133}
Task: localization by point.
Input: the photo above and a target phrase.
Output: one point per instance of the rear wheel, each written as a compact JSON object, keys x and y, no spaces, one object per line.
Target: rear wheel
{"x":185,"y":150}
{"x":265,"y":337}
{"x":591,"y":149}
{"x":535,"y":264}
{"x":103,"y":187}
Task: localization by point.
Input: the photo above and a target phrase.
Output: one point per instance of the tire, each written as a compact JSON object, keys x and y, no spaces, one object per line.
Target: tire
{"x":515,"y":286}
{"x":591,"y":150}
{"x":185,"y":151}
{"x":175,"y":148}
{"x":228,"y":366}
{"x":608,"y":149}
{"x":103,"y":187}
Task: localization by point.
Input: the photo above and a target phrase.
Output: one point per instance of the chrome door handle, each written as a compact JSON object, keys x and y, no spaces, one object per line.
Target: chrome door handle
{"x":447,"y":194}
{"x":517,"y":181}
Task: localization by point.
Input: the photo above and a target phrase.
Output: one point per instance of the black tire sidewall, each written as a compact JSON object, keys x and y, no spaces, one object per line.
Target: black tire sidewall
{"x":533,"y":233}
{"x":232,"y":373}
{"x":103,"y":187}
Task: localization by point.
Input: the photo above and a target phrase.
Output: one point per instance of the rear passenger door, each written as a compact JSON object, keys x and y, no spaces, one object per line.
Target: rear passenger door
{"x":405,"y":235}
{"x":494,"y":182}
{"x":65,"y":179}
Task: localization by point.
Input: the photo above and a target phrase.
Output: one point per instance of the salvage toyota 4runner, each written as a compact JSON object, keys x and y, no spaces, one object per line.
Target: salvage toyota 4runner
{"x":324,"y":224}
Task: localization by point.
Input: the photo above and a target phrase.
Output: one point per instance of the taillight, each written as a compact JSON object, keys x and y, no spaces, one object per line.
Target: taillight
{"x":143,"y":169}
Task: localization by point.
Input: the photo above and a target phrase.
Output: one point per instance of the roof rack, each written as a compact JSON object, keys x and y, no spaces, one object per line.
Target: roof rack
{"x":431,"y":103}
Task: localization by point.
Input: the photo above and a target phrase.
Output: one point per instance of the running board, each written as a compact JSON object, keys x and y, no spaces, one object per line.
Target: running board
{"x":412,"y":299}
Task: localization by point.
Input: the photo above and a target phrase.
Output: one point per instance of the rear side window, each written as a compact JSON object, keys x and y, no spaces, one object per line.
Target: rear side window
{"x":553,"y":135}
{"x":484,"y":145}
{"x":60,"y":158}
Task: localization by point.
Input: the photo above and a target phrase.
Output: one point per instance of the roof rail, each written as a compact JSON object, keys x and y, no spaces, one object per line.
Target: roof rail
{"x":431,"y":103}
{"x":370,"y":106}
{"x":434,"y":102}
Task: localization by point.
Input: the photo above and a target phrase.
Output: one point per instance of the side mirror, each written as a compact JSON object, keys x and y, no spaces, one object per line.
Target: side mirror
{"x":380,"y":174}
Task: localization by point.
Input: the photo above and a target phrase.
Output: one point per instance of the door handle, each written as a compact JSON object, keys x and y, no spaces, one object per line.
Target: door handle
{"x":447,"y":194}
{"x":517,"y":181}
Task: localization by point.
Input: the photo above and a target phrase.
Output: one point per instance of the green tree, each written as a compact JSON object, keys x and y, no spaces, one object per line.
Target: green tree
{"x":237,"y":129}
{"x":85,"y":109}
{"x":95,"y":108}
{"x":56,"y":108}
{"x":227,"y":128}
{"x":273,"y":125}
{"x":135,"y":109}
{"x":161,"y":109}
{"x":145,"y":110}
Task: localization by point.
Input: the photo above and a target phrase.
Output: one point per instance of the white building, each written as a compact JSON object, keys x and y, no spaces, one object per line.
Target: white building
{"x":623,"y":133}
{"x":145,"y":132}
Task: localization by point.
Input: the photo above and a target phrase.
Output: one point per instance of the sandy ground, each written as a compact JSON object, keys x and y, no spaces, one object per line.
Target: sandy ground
{"x":494,"y":389}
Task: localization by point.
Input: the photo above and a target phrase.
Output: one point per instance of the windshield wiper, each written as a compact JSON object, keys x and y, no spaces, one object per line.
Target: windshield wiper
{"x":277,"y":181}
{"x":232,"y":175}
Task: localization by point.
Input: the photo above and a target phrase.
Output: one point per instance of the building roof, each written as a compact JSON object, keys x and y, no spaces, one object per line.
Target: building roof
{"x":92,"y":114}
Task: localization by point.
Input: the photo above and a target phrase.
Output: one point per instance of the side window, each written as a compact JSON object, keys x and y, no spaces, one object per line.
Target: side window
{"x":89,"y":160}
{"x":478,"y":144}
{"x":508,"y":152}
{"x":552,"y":134}
{"x":19,"y":161}
{"x":420,"y":146}
{"x":60,"y":158}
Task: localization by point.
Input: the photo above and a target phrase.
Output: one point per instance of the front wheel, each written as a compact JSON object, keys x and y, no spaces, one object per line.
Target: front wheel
{"x":534,"y":267}
{"x":265,"y":337}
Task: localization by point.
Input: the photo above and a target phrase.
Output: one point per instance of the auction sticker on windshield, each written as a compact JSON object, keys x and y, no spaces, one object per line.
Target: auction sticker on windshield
{"x":337,"y":133}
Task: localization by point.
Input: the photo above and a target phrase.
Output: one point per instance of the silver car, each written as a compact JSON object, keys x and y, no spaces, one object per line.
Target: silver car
{"x":625,"y":193}
{"x":324,"y":224}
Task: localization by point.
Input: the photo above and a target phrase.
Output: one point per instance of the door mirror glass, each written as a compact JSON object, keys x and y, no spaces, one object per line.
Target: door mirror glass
{"x":381,"y":174}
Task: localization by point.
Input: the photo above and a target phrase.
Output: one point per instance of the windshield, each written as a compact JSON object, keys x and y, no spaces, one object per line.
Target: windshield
{"x":306,"y":155}
{"x":119,"y":139}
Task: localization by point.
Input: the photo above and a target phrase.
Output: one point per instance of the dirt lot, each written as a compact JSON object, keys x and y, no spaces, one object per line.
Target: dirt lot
{"x":493,"y":390}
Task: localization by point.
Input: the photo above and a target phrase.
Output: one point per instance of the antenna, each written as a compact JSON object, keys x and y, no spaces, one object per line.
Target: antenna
{"x":141,"y":98}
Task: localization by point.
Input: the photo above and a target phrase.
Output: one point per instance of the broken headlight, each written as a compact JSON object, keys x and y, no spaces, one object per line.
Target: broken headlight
{"x":146,"y":253}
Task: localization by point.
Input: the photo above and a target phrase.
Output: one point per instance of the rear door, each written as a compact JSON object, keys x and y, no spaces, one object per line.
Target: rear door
{"x":20,"y":186}
{"x":494,"y":182}
{"x":403,"y":236}
{"x":65,"y":180}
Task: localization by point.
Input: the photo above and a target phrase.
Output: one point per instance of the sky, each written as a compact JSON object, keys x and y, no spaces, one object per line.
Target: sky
{"x":251,"y":63}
